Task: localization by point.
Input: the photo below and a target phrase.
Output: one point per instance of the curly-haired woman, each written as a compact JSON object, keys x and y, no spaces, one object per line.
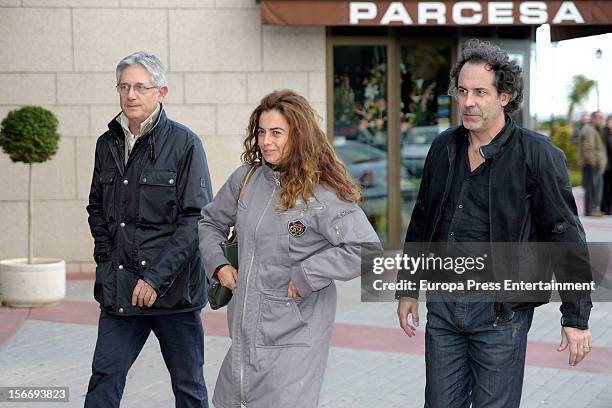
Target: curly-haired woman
{"x":299,"y":228}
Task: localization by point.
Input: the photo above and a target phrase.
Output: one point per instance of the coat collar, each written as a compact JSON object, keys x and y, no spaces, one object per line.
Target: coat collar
{"x":115,"y":126}
{"x":498,"y":143}
{"x":270,"y":174}
{"x":151,"y":135}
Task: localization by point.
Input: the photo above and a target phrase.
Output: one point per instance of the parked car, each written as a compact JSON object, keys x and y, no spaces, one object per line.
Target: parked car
{"x":415,"y":146}
{"x":368,"y":167}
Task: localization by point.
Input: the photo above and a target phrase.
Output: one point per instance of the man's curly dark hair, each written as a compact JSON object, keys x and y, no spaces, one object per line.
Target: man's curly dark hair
{"x":508,"y":74}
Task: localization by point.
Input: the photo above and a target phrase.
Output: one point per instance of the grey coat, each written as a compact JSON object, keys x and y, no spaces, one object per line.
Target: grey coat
{"x":280,"y":344}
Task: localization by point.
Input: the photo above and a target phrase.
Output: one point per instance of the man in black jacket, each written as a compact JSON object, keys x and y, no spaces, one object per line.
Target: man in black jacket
{"x":488,"y":187}
{"x":150,"y":182}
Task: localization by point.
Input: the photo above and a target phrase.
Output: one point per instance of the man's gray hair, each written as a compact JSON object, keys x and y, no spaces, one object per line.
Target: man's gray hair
{"x":150,"y":62}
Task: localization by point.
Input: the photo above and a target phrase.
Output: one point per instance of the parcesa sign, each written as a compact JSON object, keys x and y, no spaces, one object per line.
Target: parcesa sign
{"x":436,"y":13}
{"x":464,"y":13}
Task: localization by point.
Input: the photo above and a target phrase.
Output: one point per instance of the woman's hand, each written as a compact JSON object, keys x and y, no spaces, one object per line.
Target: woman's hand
{"x":227,"y":276}
{"x":292,"y":291}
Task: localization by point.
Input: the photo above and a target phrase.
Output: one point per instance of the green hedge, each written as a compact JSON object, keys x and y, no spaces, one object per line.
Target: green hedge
{"x":561,"y":136}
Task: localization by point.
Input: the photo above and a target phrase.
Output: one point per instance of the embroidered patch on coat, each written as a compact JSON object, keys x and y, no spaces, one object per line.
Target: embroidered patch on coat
{"x":296,"y":228}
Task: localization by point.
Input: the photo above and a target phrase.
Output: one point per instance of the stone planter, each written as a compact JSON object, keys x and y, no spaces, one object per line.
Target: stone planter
{"x":40,"y":284}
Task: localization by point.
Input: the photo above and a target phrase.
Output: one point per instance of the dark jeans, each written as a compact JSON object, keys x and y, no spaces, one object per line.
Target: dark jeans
{"x":592,"y":181}
{"x":473,"y":356}
{"x":120,"y":340}
{"x":606,"y":201}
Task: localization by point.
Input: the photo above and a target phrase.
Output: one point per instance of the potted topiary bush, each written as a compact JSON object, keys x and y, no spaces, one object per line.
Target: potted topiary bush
{"x":29,"y":135}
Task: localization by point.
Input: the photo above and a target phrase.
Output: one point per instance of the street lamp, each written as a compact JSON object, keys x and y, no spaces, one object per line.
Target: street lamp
{"x":598,"y":54}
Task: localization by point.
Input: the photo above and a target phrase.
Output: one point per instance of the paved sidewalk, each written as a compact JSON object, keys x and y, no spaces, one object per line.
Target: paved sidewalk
{"x":372,"y":363}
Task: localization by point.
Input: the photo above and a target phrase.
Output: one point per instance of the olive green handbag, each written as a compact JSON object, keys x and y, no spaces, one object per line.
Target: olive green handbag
{"x":219,"y":295}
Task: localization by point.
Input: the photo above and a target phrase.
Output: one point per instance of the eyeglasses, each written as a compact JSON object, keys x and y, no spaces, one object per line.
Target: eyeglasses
{"x":141,"y":89}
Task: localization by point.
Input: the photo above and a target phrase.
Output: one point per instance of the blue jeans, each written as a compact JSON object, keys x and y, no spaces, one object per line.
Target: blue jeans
{"x":473,"y":354}
{"x":120,"y":340}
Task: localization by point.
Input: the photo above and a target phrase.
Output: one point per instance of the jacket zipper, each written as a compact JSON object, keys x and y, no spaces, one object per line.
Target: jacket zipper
{"x":242,"y":400}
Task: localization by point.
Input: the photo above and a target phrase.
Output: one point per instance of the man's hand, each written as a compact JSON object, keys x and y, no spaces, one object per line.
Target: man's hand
{"x":405,"y":307}
{"x":227,"y":276}
{"x":579,"y":342}
{"x":292,"y":291}
{"x":143,"y":294}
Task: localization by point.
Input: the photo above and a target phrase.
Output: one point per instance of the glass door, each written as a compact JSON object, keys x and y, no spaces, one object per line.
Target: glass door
{"x":388,"y":102}
{"x":360,"y":133}
{"x":425,"y":112}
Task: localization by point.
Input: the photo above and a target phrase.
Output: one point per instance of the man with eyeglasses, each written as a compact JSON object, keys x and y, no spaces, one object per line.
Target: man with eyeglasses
{"x":150,"y":181}
{"x":492,"y":189}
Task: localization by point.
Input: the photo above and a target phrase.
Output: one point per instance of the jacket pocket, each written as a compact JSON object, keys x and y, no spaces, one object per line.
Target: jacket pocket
{"x":104,"y":286}
{"x":280,"y":323}
{"x":107,"y":178}
{"x":158,"y":201}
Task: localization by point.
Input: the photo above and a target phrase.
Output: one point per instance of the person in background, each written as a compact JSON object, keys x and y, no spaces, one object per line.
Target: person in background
{"x":584,"y":119}
{"x":593,"y":160}
{"x":606,"y":201}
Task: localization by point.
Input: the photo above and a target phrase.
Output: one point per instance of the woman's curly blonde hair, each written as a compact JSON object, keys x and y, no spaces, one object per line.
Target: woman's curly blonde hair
{"x":311,"y":159}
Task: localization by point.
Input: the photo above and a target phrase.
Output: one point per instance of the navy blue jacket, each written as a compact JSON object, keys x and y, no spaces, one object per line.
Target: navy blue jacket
{"x":143,"y":216}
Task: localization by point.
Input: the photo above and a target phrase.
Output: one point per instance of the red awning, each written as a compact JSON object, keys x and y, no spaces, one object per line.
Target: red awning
{"x":571,"y":16}
{"x":559,"y":33}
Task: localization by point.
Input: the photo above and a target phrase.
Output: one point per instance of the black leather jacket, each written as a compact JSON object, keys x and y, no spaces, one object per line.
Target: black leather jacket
{"x":530,"y":200}
{"x":143,"y":217}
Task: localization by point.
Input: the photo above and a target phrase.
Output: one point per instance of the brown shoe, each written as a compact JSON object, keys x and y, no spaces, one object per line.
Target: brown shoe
{"x":595,"y":214}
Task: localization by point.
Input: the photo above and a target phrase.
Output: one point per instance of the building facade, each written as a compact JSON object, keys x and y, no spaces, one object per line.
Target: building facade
{"x":377,"y":73}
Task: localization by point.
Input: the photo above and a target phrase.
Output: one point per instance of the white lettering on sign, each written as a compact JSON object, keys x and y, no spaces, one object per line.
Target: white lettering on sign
{"x":396,"y":13}
{"x":462,"y":19}
{"x":432,"y":11}
{"x":500,"y":12}
{"x":568,"y":12}
{"x":463,"y":13}
{"x":362,"y":10}
{"x":533,"y":12}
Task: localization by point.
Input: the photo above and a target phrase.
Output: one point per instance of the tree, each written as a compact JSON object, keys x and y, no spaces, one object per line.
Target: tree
{"x":581,"y":87}
{"x":29,"y":135}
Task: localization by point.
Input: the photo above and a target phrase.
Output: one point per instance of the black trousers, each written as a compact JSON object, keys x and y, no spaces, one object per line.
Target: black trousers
{"x":606,"y":200}
{"x":592,"y":181}
{"x":120,"y":340}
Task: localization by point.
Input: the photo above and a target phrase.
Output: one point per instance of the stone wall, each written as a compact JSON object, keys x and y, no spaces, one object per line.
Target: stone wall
{"x":61,"y":54}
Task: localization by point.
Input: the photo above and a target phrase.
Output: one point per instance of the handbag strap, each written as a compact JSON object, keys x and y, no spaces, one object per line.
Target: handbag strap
{"x":245,"y":181}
